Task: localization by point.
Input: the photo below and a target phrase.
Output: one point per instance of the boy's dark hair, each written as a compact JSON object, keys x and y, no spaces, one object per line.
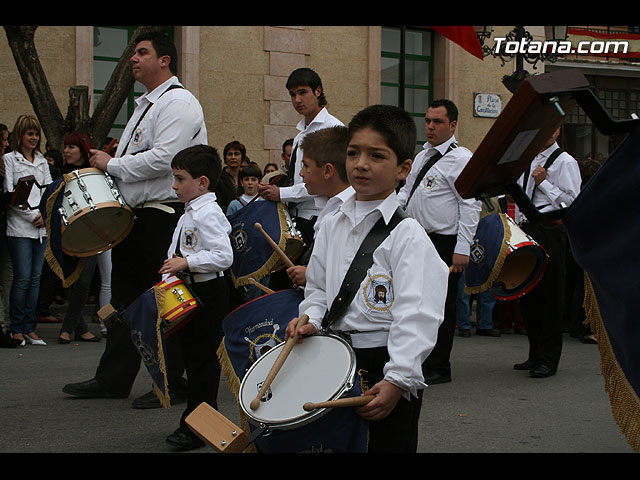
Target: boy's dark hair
{"x":163,"y":45}
{"x":393,"y":123}
{"x":305,"y":77}
{"x":328,"y":145}
{"x":452,"y":110}
{"x":250,"y":170}
{"x":199,"y":160}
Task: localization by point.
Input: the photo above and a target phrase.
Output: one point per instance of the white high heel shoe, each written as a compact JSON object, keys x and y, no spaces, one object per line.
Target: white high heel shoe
{"x":34,"y":341}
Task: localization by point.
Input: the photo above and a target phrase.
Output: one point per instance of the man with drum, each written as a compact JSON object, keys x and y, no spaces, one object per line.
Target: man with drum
{"x":552,"y":182}
{"x":429,"y":195}
{"x":167,"y":119}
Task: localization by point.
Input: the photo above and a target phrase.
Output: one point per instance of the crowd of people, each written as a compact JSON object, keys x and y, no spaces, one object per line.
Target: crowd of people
{"x":339,"y":182}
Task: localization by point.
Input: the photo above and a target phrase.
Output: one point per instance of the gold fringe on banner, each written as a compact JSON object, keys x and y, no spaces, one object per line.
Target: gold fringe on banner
{"x":497,"y":266}
{"x":625,"y":404}
{"x":274,"y":260}
{"x":165,"y":399}
{"x":234,"y":386}
{"x":49,"y":256}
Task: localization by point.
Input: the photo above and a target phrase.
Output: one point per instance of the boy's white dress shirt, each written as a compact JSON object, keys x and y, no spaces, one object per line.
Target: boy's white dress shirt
{"x":202,"y":237}
{"x":400,"y":302}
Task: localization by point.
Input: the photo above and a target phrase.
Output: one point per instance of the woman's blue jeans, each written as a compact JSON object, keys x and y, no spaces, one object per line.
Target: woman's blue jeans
{"x":27,"y":257}
{"x":484,"y":312}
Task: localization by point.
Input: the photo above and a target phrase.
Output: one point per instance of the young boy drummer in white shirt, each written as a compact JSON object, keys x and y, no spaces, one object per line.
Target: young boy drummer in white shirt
{"x":393,"y":319}
{"x":200,"y":251}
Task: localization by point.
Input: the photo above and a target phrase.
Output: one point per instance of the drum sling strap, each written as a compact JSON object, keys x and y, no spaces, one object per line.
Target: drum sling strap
{"x":171,"y":87}
{"x":359,"y":266}
{"x":555,"y":154}
{"x":426,"y":167}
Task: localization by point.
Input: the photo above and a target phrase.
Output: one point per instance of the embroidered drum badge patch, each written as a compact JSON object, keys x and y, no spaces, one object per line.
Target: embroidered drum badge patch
{"x":378,"y":292}
{"x":239,"y":238}
{"x":477,"y":253}
{"x":137,"y":137}
{"x":429,"y":182}
{"x":189,"y":239}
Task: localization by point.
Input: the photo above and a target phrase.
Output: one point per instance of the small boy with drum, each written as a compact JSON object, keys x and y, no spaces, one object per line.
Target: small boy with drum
{"x":391,"y":338}
{"x":200,"y":251}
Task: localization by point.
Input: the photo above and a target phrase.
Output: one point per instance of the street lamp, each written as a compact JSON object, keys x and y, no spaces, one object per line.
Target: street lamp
{"x":520,"y":35}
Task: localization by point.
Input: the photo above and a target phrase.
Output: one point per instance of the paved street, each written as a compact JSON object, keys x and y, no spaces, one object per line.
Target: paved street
{"x":488,"y":407}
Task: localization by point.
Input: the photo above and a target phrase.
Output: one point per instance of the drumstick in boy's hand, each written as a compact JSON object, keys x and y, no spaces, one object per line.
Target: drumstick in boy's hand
{"x":282,"y":356}
{"x":275,"y":246}
{"x":340,"y":402}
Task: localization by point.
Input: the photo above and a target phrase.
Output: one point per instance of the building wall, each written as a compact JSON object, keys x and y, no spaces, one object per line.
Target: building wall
{"x":239,"y":75}
{"x":56,"y":47}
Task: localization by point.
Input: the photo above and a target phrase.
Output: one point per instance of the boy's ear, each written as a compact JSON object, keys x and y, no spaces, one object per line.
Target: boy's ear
{"x":204,"y":182}
{"x":328,"y":170}
{"x":403,"y":169}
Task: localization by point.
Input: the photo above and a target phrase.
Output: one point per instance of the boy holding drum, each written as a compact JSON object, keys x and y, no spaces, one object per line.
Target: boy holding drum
{"x":200,"y":250}
{"x":393,"y":316}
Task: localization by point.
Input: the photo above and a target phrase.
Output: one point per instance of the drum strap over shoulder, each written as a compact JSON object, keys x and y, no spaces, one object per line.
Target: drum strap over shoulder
{"x":171,"y":87}
{"x":359,"y":266}
{"x":426,"y":167}
{"x":555,"y":154}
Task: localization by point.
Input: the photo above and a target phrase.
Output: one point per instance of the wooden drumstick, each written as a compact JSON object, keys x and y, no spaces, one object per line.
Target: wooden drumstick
{"x":110,"y":145}
{"x":275,"y":246}
{"x":282,"y":356}
{"x":340,"y":402}
{"x":260,"y":286}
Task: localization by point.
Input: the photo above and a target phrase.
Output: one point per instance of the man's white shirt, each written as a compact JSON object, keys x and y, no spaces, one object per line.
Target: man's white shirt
{"x":436,"y":203}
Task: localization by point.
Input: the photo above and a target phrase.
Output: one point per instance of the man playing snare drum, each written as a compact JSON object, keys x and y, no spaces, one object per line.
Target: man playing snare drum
{"x":167,"y":119}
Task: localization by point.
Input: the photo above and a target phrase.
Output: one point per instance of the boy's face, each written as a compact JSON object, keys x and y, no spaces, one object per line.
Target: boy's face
{"x":312,"y":175}
{"x":305,"y":100}
{"x":186,"y":187}
{"x":372,"y":167}
{"x":250,"y":185}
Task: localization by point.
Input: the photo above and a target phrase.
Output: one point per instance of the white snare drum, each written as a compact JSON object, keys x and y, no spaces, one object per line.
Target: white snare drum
{"x":93,"y":216}
{"x":524,"y":266}
{"x":293,"y":247}
{"x":322,"y":367}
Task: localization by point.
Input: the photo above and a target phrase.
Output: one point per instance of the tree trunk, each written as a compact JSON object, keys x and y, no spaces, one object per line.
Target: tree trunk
{"x":21,"y":41}
{"x":54,"y":125}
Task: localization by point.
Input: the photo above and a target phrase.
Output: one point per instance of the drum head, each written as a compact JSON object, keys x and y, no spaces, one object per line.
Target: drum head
{"x":521,"y":271}
{"x":320,"y":368}
{"x":96,"y":231}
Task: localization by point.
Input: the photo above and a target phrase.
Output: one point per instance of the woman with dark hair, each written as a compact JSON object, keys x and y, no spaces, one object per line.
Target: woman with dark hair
{"x":77,"y":148}
{"x":229,"y":188}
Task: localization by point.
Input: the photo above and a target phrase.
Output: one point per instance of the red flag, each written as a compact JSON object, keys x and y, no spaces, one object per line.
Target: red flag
{"x":464,"y":36}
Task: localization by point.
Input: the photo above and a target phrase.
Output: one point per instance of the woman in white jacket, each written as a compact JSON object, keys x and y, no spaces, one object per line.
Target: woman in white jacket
{"x":26,"y":234}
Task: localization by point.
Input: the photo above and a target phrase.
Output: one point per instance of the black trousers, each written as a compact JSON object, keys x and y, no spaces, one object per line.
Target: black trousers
{"x":438,"y":360}
{"x":543,"y":307}
{"x":135,"y":264}
{"x":398,"y":432}
{"x":199,"y":341}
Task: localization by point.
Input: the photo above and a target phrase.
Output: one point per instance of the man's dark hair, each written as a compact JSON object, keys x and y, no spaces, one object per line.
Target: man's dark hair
{"x":163,"y":45}
{"x":394,"y":124}
{"x":288,"y":141}
{"x":452,"y":110}
{"x":305,"y":77}
{"x":199,"y":160}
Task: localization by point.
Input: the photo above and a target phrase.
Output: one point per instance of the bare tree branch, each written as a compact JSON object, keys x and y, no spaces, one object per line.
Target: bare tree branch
{"x":54,"y":125}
